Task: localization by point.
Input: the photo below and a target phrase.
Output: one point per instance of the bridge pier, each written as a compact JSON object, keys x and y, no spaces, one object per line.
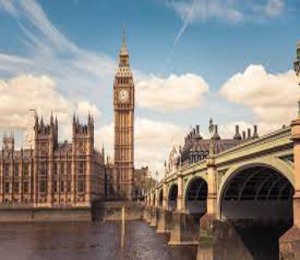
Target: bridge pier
{"x":242,"y":239}
{"x":290,"y":241}
{"x":208,"y":222}
{"x":147,"y":214}
{"x":164,"y":222}
{"x":185,"y":229}
{"x":154,"y":217}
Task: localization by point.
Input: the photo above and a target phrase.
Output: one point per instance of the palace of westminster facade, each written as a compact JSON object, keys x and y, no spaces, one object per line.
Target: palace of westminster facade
{"x":49,"y":174}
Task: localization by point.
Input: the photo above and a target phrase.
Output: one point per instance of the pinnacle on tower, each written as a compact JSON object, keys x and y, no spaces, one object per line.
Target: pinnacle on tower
{"x":124,"y":56}
{"x":124,"y":51}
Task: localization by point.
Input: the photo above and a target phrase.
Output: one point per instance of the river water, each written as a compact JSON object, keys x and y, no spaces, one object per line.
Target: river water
{"x":35,"y":241}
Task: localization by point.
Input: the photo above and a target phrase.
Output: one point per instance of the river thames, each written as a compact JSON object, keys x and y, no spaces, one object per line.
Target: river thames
{"x":92,"y":240}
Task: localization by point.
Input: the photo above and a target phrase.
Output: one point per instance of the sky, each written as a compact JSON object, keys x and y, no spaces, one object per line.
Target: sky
{"x":192,"y":60}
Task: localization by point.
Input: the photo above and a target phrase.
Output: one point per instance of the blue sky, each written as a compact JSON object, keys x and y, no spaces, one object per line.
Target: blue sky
{"x":192,"y":60}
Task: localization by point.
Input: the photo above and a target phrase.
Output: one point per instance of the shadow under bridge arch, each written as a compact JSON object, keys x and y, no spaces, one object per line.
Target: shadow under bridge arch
{"x":196,"y":196}
{"x":256,"y":209}
{"x":172,"y":197}
{"x":257,"y":193}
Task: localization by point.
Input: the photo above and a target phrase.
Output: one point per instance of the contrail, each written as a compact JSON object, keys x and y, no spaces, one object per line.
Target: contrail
{"x":188,"y":20}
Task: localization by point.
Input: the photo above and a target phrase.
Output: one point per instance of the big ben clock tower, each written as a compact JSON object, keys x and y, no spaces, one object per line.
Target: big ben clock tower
{"x":124,"y":125}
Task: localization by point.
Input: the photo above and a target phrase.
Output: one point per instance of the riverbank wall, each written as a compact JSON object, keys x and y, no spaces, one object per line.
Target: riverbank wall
{"x":100,"y":211}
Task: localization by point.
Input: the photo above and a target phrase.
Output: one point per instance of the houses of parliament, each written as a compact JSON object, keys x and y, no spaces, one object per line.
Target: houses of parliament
{"x":48,"y":174}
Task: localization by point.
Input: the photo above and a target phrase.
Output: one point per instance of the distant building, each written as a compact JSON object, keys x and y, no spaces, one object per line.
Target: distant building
{"x":50,"y":174}
{"x":195,"y":148}
{"x":140,"y":181}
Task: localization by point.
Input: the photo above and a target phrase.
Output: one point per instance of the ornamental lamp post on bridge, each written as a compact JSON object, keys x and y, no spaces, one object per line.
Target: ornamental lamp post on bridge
{"x":156,"y":190}
{"x":296,"y":140}
{"x":180,"y":202}
{"x":290,"y":241}
{"x":297,"y":70}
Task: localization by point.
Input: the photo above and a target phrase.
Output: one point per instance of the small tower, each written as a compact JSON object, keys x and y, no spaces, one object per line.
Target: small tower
{"x":8,"y":143}
{"x":82,"y":145}
{"x":29,"y":132}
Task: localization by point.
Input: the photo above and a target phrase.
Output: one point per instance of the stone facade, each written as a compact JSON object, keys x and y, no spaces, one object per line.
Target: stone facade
{"x":52,"y":174}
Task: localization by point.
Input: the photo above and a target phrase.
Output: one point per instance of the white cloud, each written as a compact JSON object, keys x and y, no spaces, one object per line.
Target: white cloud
{"x":274,"y":7}
{"x":153,"y":141}
{"x":201,"y":10}
{"x":77,"y":71}
{"x":172,"y":93}
{"x":232,"y":11}
{"x":9,"y":7}
{"x":272,"y":97}
{"x":24,"y":92}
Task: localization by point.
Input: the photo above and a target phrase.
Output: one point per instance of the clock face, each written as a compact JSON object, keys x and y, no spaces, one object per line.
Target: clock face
{"x":123,"y":95}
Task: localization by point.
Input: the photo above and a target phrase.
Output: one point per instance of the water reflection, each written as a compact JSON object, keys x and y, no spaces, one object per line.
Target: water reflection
{"x":86,"y":241}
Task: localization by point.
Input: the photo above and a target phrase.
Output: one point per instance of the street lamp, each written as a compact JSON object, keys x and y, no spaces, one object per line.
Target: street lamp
{"x":297,"y":70}
{"x":297,"y":61}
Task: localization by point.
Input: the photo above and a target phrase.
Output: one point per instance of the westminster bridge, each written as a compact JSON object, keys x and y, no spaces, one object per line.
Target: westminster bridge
{"x":242,"y":203}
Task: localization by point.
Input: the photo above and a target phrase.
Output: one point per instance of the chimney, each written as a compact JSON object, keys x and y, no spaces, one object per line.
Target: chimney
{"x":249,"y":133}
{"x":244,"y":135}
{"x":197,"y":129}
{"x":255,"y":134}
{"x":216,"y":135}
{"x":237,"y":135}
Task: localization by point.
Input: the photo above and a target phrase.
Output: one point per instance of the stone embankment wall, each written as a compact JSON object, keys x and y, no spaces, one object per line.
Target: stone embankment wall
{"x":101,"y":211}
{"x":51,"y":215}
{"x":112,"y":211}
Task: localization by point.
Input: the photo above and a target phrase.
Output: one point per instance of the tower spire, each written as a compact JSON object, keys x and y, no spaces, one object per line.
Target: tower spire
{"x":124,"y":51}
{"x":124,"y":35}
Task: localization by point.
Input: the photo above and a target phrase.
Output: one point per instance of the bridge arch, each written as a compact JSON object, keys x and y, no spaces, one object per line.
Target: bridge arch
{"x":257,"y":191}
{"x":172,"y":196}
{"x":195,"y":196}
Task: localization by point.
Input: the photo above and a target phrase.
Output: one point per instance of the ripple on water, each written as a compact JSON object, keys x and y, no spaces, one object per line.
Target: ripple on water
{"x":38,"y":241}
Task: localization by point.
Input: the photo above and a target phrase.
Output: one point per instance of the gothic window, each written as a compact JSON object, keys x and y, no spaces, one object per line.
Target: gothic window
{"x":81,"y":168}
{"x":62,"y":168}
{"x":55,"y":186}
{"x":43,"y":187}
{"x":16,"y":187}
{"x":43,"y":168}
{"x":68,"y":186}
{"x":61,"y":186}
{"x":69,"y":168}
{"x":6,"y":187}
{"x":55,"y":166}
{"x":80,"y":186}
{"x":26,"y":169}
{"x":25,"y":187}
{"x":6,"y":170}
{"x":16,"y":170}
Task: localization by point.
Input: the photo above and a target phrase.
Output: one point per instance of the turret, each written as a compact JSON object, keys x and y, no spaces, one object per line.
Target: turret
{"x":8,"y":142}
